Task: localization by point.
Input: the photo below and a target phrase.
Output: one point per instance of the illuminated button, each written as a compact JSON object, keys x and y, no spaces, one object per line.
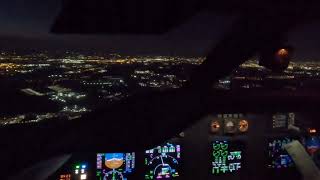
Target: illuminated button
{"x":215,"y":126}
{"x":230,"y":126}
{"x":65,"y":177}
{"x":182,"y":134}
{"x":243,"y":125}
{"x":312,"y":130}
{"x":83,"y":176}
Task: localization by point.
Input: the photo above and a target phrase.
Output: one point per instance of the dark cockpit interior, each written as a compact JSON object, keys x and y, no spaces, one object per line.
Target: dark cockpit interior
{"x":258,"y":124}
{"x":219,"y":146}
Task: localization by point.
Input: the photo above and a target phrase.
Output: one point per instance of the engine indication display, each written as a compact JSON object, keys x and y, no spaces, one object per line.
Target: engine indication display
{"x":115,"y":166}
{"x":227,"y":157}
{"x":163,"y":162}
{"x":277,"y":155}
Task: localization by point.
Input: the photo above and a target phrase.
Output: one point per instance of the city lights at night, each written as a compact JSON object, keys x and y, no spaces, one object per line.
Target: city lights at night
{"x":78,"y":83}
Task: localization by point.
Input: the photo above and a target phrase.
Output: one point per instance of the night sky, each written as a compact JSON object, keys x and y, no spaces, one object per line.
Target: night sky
{"x":26,"y":23}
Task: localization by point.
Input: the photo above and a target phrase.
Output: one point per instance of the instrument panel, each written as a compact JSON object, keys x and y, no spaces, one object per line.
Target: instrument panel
{"x":112,"y":166}
{"x":277,"y":155}
{"x":222,"y":146}
{"x":227,"y":157}
{"x":163,"y":162}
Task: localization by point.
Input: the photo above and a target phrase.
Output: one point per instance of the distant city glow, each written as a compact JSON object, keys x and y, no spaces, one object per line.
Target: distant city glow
{"x":77,"y":81}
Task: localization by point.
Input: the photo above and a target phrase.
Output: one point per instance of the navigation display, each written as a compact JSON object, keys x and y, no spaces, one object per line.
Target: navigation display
{"x":163,"y":162}
{"x":115,"y":166}
{"x":227,"y":157}
{"x":278,"y":157}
